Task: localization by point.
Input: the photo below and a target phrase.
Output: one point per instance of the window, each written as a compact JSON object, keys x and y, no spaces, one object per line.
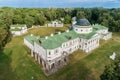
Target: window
{"x":56,"y":51}
{"x":81,"y":30}
{"x":80,"y":40}
{"x":70,"y":49}
{"x":80,"y":46}
{"x":76,"y":29}
{"x":49,"y":53}
{"x":70,"y":43}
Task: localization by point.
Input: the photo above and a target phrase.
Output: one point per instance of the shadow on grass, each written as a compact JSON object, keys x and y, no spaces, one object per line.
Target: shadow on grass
{"x":76,"y":71}
{"x":58,"y":30}
{"x":6,"y":72}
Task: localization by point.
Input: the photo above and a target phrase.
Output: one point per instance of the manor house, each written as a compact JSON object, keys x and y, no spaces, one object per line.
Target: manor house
{"x":52,"y":51}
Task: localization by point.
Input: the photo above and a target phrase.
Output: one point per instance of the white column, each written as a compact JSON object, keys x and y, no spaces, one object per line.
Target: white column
{"x":39,"y":59}
{"x":35,"y":56}
{"x":32,"y":53}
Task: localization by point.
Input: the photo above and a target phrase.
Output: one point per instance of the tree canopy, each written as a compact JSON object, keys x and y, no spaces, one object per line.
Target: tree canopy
{"x":39,"y":16}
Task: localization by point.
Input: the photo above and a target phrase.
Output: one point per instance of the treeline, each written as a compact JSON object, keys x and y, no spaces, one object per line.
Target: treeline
{"x":40,"y":16}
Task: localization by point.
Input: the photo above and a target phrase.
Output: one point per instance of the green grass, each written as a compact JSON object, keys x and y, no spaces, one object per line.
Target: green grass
{"x":17,"y":64}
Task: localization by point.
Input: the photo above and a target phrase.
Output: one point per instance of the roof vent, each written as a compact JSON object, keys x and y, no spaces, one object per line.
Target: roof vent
{"x":46,"y":37}
{"x":51,"y":35}
{"x":38,"y":37}
{"x":31,"y":35}
{"x":67,"y":30}
{"x":59,"y":32}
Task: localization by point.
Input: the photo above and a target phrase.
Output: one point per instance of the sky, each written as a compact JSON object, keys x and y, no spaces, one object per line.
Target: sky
{"x":61,"y":3}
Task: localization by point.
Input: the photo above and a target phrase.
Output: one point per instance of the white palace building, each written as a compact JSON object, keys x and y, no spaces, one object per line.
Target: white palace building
{"x":52,"y":51}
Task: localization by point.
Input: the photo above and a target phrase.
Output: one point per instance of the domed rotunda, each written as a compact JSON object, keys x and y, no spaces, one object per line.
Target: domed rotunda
{"x":82,"y":26}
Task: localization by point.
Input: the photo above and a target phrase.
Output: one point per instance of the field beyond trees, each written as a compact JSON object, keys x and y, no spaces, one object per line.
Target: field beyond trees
{"x":17,"y":64}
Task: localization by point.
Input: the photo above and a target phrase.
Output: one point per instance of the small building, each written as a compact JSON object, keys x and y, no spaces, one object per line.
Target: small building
{"x":55,"y":23}
{"x":52,"y":51}
{"x":18,"y":29}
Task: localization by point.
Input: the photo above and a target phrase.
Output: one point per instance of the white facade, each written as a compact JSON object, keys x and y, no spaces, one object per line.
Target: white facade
{"x":28,"y":44}
{"x":16,"y":30}
{"x":83,"y":30}
{"x":51,"y":59}
{"x":90,"y":44}
{"x":55,"y":23}
{"x":104,"y":34}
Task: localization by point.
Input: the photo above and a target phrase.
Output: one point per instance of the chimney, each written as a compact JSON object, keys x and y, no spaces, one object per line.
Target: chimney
{"x":51,"y":35}
{"x":59,"y":33}
{"x":31,"y":35}
{"x":46,"y":37}
{"x":67,"y":30}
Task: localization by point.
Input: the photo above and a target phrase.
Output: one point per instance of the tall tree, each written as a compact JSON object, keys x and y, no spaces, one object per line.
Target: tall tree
{"x":29,"y":21}
{"x":67,"y":19}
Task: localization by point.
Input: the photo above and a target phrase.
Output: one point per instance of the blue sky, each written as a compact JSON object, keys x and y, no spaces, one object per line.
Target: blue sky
{"x":61,"y":3}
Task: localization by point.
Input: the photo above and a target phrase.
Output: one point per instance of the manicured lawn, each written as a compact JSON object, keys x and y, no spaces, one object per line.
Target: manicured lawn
{"x":17,"y":64}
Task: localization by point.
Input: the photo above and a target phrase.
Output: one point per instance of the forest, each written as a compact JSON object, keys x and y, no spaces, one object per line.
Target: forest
{"x":39,"y":16}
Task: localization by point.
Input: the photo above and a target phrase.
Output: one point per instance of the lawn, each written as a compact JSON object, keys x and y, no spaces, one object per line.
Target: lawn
{"x":17,"y":64}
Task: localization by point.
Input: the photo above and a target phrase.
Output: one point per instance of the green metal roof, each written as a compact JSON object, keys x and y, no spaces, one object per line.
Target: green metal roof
{"x":31,"y":39}
{"x":16,"y":29}
{"x":99,"y":27}
{"x":17,"y":25}
{"x":56,"y":40}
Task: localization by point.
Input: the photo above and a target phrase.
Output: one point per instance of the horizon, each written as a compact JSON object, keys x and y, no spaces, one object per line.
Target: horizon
{"x":60,"y":4}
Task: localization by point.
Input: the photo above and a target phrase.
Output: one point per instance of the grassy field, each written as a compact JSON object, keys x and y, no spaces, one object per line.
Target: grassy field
{"x":17,"y":64}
